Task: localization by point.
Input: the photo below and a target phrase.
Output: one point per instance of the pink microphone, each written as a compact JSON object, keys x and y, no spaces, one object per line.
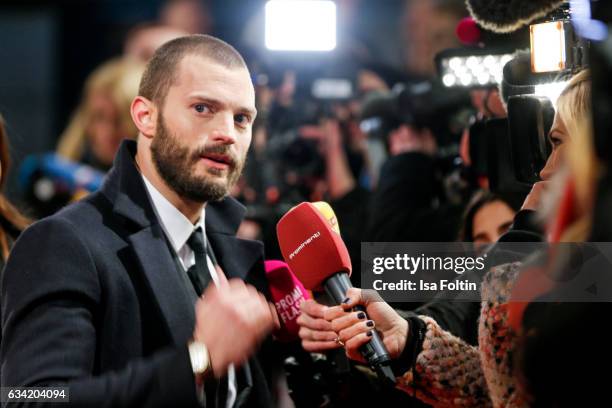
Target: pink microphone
{"x":288,"y":293}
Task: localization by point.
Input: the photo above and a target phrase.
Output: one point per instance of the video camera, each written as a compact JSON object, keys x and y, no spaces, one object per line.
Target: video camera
{"x":421,"y":105}
{"x":512,"y":151}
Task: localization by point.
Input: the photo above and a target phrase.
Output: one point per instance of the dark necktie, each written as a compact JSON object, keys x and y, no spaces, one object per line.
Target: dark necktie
{"x":198,"y":273}
{"x":216,"y":391}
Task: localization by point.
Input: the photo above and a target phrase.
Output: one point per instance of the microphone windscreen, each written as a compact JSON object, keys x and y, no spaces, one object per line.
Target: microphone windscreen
{"x":311,"y":247}
{"x":505,"y":16}
{"x":288,"y":293}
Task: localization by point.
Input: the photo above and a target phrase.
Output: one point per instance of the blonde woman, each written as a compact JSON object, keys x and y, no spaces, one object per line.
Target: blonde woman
{"x":102,"y":120}
{"x":573,"y":114}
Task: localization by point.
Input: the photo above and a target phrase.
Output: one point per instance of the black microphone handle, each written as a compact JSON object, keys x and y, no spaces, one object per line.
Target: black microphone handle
{"x":374,"y":352}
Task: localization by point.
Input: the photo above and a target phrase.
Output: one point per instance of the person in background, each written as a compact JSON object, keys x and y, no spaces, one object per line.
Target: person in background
{"x":428,"y":27}
{"x":102,"y":119}
{"x":442,"y":369}
{"x":142,"y":40}
{"x":191,"y":16}
{"x":488,"y":216}
{"x":543,"y":361}
{"x":12,"y":222}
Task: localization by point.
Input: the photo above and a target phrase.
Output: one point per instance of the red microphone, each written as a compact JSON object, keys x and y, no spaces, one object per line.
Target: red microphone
{"x":317,"y":255}
{"x":288,"y":293}
{"x":313,"y":250}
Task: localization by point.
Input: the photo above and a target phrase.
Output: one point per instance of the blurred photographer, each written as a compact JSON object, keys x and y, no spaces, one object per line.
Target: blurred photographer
{"x":417,"y":127}
{"x":434,"y":362}
{"x":307,"y":146}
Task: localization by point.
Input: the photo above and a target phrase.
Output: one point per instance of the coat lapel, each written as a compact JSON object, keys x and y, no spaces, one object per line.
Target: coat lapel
{"x":160,"y":271}
{"x":237,"y":257}
{"x":125,"y":188}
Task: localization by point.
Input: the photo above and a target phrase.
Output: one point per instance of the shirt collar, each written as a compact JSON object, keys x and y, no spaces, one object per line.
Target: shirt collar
{"x":177,"y":227}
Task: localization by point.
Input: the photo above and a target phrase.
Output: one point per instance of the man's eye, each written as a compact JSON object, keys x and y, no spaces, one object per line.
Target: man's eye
{"x":201,"y":108}
{"x":241,"y":119}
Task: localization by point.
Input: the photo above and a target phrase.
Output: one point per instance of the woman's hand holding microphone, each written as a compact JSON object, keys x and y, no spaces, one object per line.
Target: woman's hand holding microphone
{"x":325,"y":328}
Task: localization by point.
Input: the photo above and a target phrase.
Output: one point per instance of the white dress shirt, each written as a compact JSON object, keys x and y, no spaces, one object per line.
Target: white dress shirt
{"x":178,"y":229}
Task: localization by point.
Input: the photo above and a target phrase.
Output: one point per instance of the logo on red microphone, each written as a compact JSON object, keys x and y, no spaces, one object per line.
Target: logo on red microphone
{"x":303,"y":244}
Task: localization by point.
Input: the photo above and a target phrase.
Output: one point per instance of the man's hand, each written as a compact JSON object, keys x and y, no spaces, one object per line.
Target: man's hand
{"x":327,"y":135}
{"x":354,"y":330}
{"x":231,"y":320}
{"x":316,"y":332}
{"x":407,"y":139}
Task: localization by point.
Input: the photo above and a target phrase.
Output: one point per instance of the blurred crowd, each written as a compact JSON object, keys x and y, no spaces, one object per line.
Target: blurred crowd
{"x":306,"y":146}
{"x":400,"y":159}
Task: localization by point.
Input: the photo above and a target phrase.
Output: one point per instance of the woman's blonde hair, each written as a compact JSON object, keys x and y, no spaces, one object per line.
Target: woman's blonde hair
{"x":118,"y":79}
{"x":574,"y":103}
{"x":574,"y":108}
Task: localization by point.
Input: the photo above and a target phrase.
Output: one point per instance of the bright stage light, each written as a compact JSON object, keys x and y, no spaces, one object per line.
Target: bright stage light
{"x":300,"y":25}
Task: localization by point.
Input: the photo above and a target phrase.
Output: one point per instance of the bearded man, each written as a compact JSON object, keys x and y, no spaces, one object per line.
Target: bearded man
{"x":141,"y":294}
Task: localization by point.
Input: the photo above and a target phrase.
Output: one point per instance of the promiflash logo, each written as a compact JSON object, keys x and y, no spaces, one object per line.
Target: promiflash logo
{"x":303,"y":244}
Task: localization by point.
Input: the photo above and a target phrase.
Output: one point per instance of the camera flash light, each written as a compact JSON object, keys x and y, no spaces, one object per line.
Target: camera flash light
{"x":300,"y":25}
{"x":552,"y":91}
{"x":462,"y":69}
{"x":548,"y":50}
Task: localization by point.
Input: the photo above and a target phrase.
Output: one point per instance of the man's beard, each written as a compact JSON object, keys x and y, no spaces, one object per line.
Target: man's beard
{"x":176,"y":165}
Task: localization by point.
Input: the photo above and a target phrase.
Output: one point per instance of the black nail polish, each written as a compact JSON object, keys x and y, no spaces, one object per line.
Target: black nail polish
{"x":346,"y":300}
{"x":361,"y":315}
{"x":369,"y":333}
{"x":370,"y":323}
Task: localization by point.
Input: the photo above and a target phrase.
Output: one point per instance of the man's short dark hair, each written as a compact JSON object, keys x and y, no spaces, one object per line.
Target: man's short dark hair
{"x":161,"y":70}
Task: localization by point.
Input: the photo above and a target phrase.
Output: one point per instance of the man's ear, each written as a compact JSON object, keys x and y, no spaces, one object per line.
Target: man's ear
{"x":144,"y":115}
